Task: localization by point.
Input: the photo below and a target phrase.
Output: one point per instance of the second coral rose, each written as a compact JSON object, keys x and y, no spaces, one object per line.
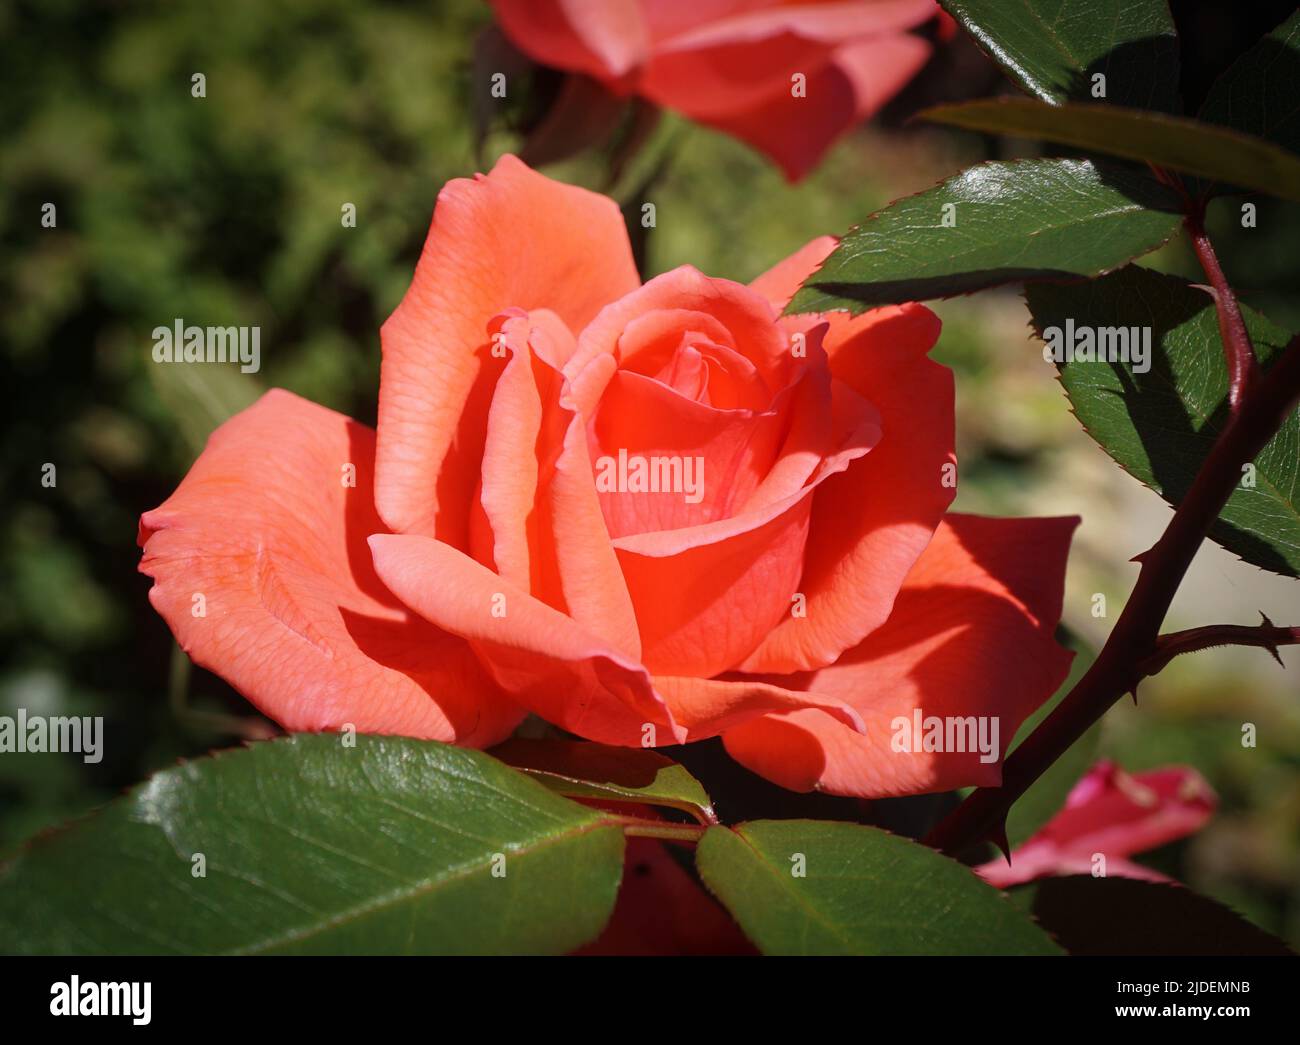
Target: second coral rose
{"x":788,"y":78}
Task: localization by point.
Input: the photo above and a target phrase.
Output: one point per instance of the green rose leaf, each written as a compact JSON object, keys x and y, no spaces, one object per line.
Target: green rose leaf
{"x":1257,"y":94}
{"x":1000,"y":222}
{"x":1054,"y":49}
{"x":821,"y":887}
{"x":1114,"y":916}
{"x":581,"y":769}
{"x":1159,"y":425}
{"x":1175,"y":142}
{"x":309,"y":846}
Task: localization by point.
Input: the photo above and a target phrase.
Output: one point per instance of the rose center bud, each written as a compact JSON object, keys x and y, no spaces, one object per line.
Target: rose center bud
{"x":689,"y":424}
{"x":710,"y":424}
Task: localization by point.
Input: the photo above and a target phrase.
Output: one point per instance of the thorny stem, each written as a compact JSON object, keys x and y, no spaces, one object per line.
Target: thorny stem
{"x":1263,"y":402}
{"x":1266,"y":636}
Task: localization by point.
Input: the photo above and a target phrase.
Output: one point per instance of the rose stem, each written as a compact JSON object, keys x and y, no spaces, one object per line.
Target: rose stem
{"x":1262,"y":404}
{"x":1266,"y":636}
{"x":635,"y":827}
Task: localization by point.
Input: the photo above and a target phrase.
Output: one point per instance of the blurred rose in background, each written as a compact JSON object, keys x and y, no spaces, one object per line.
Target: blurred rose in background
{"x":1113,"y":815}
{"x":787,"y":77}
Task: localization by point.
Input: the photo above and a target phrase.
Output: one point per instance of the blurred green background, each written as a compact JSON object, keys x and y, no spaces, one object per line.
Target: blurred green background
{"x":226,"y":209}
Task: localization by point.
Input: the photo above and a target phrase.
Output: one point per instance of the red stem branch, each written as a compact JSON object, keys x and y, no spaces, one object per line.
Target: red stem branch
{"x":1193,"y":640}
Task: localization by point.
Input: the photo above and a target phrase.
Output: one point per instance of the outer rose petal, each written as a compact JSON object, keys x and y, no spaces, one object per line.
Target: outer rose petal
{"x":843,"y":89}
{"x":563,"y":672}
{"x":1115,"y":814}
{"x":511,"y":239}
{"x":545,"y":659}
{"x":707,"y":707}
{"x":297,"y":620}
{"x":604,"y":38}
{"x":970,"y":635}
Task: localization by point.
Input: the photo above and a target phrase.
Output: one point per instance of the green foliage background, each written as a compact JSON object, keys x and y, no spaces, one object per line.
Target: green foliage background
{"x":226,"y":210}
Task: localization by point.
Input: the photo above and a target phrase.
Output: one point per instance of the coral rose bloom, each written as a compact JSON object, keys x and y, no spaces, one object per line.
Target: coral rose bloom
{"x":648,"y":513}
{"x":733,"y":64}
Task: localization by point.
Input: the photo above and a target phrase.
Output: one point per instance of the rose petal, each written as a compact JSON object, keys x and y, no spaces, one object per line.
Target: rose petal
{"x":736,"y":63}
{"x":743,"y":313}
{"x":656,"y":343}
{"x":543,"y":658}
{"x":703,"y":604}
{"x":707,"y":707}
{"x":705,"y":595}
{"x":871,"y":523}
{"x":970,"y":635}
{"x":830,"y":418}
{"x":725,"y":455}
{"x":718,"y":80}
{"x":829,"y":22}
{"x":508,"y":490}
{"x":511,"y":239}
{"x":666,"y":21}
{"x":266,"y":530}
{"x":537,"y":521}
{"x":605,"y":38}
{"x":595,"y":591}
{"x":847,"y":87}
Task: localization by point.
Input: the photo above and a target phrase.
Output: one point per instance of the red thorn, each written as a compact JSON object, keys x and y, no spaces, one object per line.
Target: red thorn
{"x":1271,"y":647}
